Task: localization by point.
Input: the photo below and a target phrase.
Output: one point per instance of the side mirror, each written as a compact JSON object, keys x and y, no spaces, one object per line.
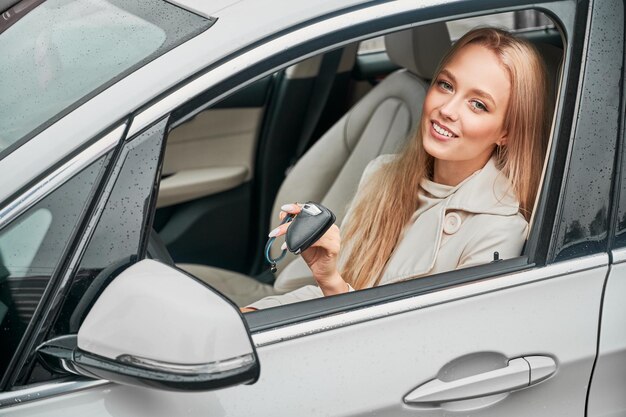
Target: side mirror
{"x":155,"y":326}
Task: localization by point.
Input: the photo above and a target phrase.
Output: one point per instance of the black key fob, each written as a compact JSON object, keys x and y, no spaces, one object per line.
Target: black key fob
{"x":308,"y":226}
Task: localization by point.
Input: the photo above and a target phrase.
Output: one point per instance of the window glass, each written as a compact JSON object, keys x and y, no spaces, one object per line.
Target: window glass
{"x":120,"y":227}
{"x":513,"y":21}
{"x":20,"y":243}
{"x":117,"y":239}
{"x":31,"y":248}
{"x":64,"y":51}
{"x":458,"y":28}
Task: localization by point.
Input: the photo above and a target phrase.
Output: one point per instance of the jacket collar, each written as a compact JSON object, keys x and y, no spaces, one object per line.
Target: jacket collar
{"x":495,"y":191}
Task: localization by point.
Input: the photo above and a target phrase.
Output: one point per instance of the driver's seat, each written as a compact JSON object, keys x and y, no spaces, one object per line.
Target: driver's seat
{"x":329,"y":172}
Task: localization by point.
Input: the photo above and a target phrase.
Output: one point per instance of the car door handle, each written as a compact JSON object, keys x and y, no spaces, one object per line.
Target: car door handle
{"x":519,"y":373}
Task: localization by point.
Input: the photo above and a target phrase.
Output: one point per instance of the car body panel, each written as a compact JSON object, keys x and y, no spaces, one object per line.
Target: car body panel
{"x":606,"y":396}
{"x":341,"y":371}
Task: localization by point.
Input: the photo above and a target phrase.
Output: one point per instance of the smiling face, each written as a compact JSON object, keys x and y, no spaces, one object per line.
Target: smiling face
{"x":464,"y":111}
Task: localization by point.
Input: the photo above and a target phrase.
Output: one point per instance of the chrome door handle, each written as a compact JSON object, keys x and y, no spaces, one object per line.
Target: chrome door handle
{"x":519,"y":373}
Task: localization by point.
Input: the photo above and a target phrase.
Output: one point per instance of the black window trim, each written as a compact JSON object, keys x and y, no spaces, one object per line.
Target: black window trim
{"x":618,"y":253}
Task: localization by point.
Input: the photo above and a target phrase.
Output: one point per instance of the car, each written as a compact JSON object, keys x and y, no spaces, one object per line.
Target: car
{"x":145,"y":146}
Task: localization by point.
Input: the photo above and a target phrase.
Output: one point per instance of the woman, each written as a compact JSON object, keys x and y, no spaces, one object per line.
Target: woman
{"x":463,"y":189}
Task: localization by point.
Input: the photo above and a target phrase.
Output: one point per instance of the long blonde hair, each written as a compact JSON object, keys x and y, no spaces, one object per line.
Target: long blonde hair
{"x":390,"y":197}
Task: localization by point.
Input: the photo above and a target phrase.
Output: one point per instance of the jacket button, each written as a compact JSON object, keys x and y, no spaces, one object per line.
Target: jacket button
{"x":451,"y":223}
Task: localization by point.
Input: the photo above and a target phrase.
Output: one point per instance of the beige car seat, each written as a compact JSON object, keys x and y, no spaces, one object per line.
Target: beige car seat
{"x":329,"y":172}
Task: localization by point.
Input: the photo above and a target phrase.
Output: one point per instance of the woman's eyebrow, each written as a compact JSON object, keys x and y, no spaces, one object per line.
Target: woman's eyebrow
{"x":484,"y":95}
{"x":447,"y":74}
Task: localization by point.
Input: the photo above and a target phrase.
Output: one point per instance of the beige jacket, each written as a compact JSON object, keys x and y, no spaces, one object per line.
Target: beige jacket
{"x":454,"y":227}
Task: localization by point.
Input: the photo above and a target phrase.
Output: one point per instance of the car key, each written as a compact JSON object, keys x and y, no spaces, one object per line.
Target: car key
{"x":308,"y":226}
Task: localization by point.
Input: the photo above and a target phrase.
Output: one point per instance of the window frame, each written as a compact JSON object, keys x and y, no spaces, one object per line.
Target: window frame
{"x":535,"y":254}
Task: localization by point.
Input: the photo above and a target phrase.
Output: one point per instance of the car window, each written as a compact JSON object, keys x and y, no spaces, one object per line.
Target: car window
{"x":31,"y":248}
{"x":118,"y":238}
{"x":186,"y":226}
{"x":61,"y":53}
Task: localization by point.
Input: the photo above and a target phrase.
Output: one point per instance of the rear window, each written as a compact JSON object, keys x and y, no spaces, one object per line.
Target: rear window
{"x":61,"y":53}
{"x":519,"y":21}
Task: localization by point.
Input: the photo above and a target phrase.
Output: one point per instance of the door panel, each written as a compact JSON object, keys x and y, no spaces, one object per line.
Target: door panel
{"x":367,"y":368}
{"x":211,"y":153}
{"x":206,"y":186}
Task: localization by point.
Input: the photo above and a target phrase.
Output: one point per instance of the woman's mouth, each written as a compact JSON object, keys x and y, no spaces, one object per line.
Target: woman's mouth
{"x":442,"y":131}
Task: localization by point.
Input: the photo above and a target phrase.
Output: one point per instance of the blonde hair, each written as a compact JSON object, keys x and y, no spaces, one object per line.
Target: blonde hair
{"x":389,"y":198}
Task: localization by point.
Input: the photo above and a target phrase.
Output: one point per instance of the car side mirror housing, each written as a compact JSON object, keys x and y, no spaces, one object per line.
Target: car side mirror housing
{"x":155,"y":326}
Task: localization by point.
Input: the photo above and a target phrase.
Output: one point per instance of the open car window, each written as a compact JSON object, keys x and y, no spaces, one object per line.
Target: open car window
{"x":184,"y":224}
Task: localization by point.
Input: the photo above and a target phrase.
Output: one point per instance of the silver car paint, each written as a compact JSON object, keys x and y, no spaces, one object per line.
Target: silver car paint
{"x":339,"y":371}
{"x":606,"y":397}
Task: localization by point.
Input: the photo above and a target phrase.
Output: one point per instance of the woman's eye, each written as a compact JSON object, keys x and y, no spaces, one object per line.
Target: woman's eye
{"x":477,"y":105}
{"x":445,"y":85}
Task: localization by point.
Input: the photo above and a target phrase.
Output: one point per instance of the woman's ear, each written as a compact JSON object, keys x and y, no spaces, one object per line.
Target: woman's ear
{"x":502,"y":140}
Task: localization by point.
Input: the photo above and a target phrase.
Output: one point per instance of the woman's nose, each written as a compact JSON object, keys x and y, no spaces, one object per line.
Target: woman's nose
{"x":448,"y":110}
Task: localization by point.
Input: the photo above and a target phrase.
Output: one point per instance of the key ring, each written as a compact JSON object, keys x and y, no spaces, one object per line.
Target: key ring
{"x":270,"y":242}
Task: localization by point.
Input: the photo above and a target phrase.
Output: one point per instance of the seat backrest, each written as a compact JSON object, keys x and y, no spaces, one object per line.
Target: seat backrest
{"x":379,"y":123}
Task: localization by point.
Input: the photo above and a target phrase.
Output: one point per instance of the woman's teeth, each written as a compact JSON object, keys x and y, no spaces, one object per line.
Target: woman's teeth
{"x":442,"y":131}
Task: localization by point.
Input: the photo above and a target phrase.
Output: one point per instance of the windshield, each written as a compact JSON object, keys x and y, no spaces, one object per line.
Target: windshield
{"x":62,"y":52}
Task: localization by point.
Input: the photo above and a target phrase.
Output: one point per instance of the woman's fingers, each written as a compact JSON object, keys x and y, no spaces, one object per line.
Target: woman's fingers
{"x":280,"y":230}
{"x":286,"y":209}
{"x":293,"y":208}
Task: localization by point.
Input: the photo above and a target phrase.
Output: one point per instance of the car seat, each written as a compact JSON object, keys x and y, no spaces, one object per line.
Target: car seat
{"x":330,"y":170}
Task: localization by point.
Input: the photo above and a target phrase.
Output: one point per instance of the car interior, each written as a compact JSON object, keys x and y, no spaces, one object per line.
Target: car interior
{"x":304,"y":133}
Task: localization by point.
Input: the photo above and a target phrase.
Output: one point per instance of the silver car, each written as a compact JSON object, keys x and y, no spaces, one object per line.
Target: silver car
{"x":146,"y":145}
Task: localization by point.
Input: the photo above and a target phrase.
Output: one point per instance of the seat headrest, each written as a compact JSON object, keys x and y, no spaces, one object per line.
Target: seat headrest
{"x":419,"y":49}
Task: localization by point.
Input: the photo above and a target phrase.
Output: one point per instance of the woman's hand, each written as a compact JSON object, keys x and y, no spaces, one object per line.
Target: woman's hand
{"x":321,"y":256}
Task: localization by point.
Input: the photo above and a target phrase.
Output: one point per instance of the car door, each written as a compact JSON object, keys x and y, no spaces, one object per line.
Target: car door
{"x":515,"y":337}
